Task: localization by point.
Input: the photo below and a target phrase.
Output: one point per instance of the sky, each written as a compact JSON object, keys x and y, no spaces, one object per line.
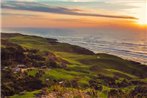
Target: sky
{"x":74,"y":13}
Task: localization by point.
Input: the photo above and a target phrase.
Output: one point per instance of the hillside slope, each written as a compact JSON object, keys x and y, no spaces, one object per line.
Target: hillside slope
{"x":35,"y":63}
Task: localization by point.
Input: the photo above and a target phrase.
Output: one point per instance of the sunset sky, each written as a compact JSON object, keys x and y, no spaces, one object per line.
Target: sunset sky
{"x":74,"y":13}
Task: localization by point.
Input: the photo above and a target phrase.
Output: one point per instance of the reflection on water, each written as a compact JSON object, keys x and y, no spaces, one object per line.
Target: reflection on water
{"x":128,"y":44}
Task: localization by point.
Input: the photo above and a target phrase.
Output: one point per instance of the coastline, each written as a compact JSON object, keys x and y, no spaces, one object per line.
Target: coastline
{"x":96,"y":52}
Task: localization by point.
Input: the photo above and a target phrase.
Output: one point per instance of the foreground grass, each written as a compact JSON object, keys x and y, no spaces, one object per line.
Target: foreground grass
{"x":26,"y":95}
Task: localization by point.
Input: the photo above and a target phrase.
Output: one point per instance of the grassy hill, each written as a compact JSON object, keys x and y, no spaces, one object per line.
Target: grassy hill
{"x":60,"y":67}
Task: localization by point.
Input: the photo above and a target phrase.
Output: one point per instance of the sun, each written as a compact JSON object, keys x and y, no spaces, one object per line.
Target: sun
{"x":142,"y":14}
{"x":142,"y":21}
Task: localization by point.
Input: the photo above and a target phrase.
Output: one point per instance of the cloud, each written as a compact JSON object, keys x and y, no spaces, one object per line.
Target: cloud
{"x":55,"y":0}
{"x":58,"y":10}
{"x":80,"y":0}
{"x":14,"y":14}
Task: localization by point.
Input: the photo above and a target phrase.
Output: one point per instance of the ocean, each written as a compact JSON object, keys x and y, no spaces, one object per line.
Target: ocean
{"x":128,"y":44}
